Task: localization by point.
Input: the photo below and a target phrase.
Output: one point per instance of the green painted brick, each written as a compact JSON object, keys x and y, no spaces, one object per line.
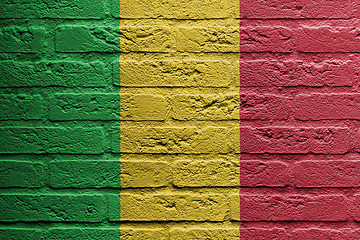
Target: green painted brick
{"x":53,"y":73}
{"x":21,"y":174}
{"x":21,"y":233}
{"x":88,"y":106}
{"x":114,"y":213}
{"x":109,"y":173}
{"x":85,"y":174}
{"x":22,"y":106}
{"x":22,"y":39}
{"x":115,"y":139}
{"x":69,"y":9}
{"x":79,"y":38}
{"x":84,"y":234}
{"x":51,"y":140}
{"x":56,"y":208}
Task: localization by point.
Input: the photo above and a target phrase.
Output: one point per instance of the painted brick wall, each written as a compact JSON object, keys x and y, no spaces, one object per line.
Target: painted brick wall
{"x":178,"y":141}
{"x":299,"y":132}
{"x":59,"y":120}
{"x":179,"y":79}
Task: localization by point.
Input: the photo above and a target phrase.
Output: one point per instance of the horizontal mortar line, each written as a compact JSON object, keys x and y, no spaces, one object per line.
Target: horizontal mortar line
{"x":296,"y":19}
{"x":172,"y":221}
{"x":179,"y":19}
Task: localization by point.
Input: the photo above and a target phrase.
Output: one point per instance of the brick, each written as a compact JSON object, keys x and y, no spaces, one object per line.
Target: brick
{"x":327,"y":106}
{"x":321,"y":233}
{"x":183,"y":39}
{"x":86,"y":106}
{"x":209,"y":173}
{"x":207,"y":39}
{"x":173,"y":140}
{"x":172,"y":9}
{"x":205,"y":107}
{"x":22,"y":39}
{"x":235,"y":207}
{"x":324,"y":140}
{"x":204,"y":233}
{"x":108,"y":174}
{"x":327,"y":39}
{"x":85,"y":174}
{"x":21,"y":233}
{"x":290,"y":73}
{"x":266,"y":39}
{"x":175,"y":73}
{"x":263,"y":233}
{"x":300,"y":9}
{"x":357,"y":208}
{"x":21,"y":174}
{"x":80,"y":38}
{"x":340,"y":173}
{"x":146,"y":234}
{"x":137,"y":107}
{"x":256,"y":173}
{"x":265,"y":107}
{"x":21,"y":107}
{"x":52,"y":73}
{"x":168,"y":207}
{"x":264,"y":207}
{"x":146,"y":39}
{"x":68,"y":9}
{"x":56,"y":208}
{"x":144,"y":174}
{"x":84,"y":233}
{"x":51,"y":140}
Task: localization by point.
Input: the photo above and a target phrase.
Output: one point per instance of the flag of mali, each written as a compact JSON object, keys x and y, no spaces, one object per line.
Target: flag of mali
{"x":132,"y":119}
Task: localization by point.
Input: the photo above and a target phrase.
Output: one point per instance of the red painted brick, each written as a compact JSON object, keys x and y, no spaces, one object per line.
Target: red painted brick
{"x":327,"y":106}
{"x":325,"y":140}
{"x":263,"y":233}
{"x":357,"y":207}
{"x":254,"y":106}
{"x":261,"y":173}
{"x":342,"y":173}
{"x":260,"y":207}
{"x":316,"y":233}
{"x":328,"y":39}
{"x":264,"y":73}
{"x":266,"y":39}
{"x":300,"y":9}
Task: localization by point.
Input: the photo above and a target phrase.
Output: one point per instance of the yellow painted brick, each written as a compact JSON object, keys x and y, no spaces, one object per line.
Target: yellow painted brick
{"x":178,"y":73}
{"x":235,"y":207}
{"x":146,"y":39}
{"x":176,"y":140}
{"x":205,"y":234}
{"x":173,"y":207}
{"x":184,"y":39}
{"x":144,"y":174}
{"x":207,"y":39}
{"x":234,"y":139}
{"x":143,"y":234}
{"x":142,"y":107}
{"x":206,"y":107}
{"x":207,"y":173}
{"x":178,"y":9}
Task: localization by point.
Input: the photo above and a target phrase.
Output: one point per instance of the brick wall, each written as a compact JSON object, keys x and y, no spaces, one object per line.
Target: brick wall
{"x":178,"y":140}
{"x":300,"y":102}
{"x":59,"y":120}
{"x":179,"y":79}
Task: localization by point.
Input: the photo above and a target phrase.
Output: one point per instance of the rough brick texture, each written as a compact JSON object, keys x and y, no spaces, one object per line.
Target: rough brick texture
{"x":58,"y":104}
{"x":119,"y":119}
{"x":299,"y":112}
